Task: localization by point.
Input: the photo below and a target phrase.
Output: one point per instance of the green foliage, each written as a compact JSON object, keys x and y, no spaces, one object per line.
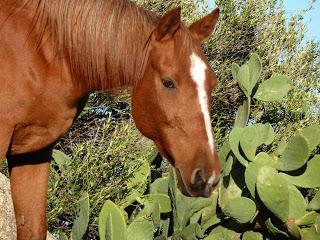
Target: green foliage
{"x":234,"y":141}
{"x":222,"y":233}
{"x":315,"y":203}
{"x":247,"y":206}
{"x":273,"y":191}
{"x":273,"y":89}
{"x":259,"y":187}
{"x":311,"y":134}
{"x":271,"y":178}
{"x":253,"y":168}
{"x":242,"y":116}
{"x":112,"y":225}
{"x":61,"y":159}
{"x":250,"y":235}
{"x":297,"y":149}
{"x":190,"y":220}
{"x":100,"y":166}
{"x":185,"y":221}
{"x":247,"y":77}
{"x":248,"y":74}
{"x":310,"y":177}
{"x":136,"y":184}
{"x":254,"y":136}
{"x":81,"y":222}
{"x":140,"y":229}
{"x":261,"y":26}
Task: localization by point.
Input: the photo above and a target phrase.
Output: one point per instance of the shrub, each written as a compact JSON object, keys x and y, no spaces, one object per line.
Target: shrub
{"x":101,"y":166}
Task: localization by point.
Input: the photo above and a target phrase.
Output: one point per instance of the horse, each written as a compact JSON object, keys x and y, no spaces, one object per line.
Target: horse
{"x":53,"y":54}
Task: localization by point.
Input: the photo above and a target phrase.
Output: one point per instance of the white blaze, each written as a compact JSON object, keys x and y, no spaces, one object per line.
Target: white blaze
{"x":198,"y":74}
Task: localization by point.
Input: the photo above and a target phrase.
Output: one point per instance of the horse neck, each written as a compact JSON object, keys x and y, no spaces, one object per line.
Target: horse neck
{"x":104,"y":40}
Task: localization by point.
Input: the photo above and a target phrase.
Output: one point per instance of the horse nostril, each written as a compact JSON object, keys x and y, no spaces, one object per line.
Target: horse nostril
{"x":198,"y":181}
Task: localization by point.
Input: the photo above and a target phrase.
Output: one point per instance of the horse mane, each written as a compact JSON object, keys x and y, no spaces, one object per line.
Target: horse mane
{"x":104,"y":40}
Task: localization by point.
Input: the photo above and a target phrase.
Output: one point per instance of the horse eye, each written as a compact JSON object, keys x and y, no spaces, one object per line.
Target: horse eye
{"x":168,"y":83}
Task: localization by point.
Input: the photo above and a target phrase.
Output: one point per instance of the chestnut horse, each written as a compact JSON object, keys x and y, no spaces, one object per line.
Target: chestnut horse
{"x":53,"y":53}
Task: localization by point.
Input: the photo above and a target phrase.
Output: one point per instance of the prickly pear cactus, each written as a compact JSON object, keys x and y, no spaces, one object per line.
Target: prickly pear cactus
{"x":273,"y":181}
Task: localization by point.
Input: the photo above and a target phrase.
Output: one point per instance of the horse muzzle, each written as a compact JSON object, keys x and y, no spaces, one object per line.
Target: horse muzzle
{"x":199,"y":186}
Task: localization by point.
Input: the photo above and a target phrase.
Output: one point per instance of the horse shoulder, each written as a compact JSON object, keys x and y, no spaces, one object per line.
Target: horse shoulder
{"x":38,"y":98}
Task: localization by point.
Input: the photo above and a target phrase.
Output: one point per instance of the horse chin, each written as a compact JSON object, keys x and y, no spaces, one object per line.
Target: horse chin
{"x":182,"y":186}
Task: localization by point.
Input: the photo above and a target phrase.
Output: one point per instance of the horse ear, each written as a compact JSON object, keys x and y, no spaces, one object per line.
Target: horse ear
{"x":202,"y":28}
{"x":168,"y":25}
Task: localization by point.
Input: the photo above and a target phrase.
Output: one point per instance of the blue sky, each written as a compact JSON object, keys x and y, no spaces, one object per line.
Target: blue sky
{"x":312,"y":19}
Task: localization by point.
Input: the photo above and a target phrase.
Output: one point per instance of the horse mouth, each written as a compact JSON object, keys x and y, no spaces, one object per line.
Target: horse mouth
{"x":206,"y":191}
{"x":185,"y":189}
{"x":182,"y":185}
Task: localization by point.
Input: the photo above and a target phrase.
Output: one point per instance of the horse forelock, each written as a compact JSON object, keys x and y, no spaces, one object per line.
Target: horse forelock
{"x":104,"y":40}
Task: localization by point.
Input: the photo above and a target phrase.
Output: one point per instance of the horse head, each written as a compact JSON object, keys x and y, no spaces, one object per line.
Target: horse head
{"x":171,"y":102}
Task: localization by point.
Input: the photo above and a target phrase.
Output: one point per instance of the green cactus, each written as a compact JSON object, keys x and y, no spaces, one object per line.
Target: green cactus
{"x":310,"y":233}
{"x":112,"y":225}
{"x":243,"y":113}
{"x":62,"y":160}
{"x":311,"y":134}
{"x":255,"y":68}
{"x":160,"y":185}
{"x":209,"y":214}
{"x":297,"y":203}
{"x":247,"y":206}
{"x":137,"y":184}
{"x":280,"y":149}
{"x":308,"y":219}
{"x":274,"y":89}
{"x":293,"y":229}
{"x":244,"y":79}
{"x":241,"y":75}
{"x":295,"y":154}
{"x":250,"y":235}
{"x":228,"y":166}
{"x":315,"y":203}
{"x":248,"y":74}
{"x":310,"y":178}
{"x":274,"y":230}
{"x":154,"y":200}
{"x":80,"y":224}
{"x":254,"y":136}
{"x":252,"y":170}
{"x":229,"y":192}
{"x":140,"y":229}
{"x":234,"y":141}
{"x":224,"y":153}
{"x":190,"y":207}
{"x":273,"y":191}
{"x":191,"y":232}
{"x":222,"y":233}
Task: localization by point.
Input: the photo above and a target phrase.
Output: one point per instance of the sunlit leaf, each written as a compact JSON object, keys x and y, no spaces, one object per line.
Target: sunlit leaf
{"x":273,"y":89}
{"x":80,"y":224}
